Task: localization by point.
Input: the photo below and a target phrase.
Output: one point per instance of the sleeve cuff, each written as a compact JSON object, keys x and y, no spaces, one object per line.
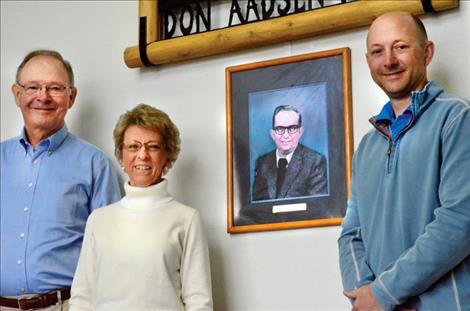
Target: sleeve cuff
{"x":382,"y":298}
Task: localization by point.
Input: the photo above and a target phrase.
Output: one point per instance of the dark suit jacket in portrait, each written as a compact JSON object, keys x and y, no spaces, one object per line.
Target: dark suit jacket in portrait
{"x":305,"y":175}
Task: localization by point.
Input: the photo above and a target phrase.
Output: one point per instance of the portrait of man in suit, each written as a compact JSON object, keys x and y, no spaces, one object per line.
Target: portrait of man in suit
{"x":292,"y":169}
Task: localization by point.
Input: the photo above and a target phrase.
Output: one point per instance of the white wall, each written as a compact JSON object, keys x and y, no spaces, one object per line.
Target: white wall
{"x":282,"y":270}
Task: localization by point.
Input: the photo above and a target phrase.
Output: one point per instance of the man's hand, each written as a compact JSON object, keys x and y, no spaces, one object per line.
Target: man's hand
{"x":364,"y":300}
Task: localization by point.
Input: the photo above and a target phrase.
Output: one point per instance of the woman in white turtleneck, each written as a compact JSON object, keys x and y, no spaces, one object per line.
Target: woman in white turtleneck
{"x":147,"y":251}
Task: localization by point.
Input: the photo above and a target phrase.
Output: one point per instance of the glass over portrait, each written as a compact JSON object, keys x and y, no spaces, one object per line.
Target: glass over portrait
{"x":289,"y":142}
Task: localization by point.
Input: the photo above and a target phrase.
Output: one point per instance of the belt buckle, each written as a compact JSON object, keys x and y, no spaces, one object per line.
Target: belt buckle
{"x":33,"y":303}
{"x":22,"y":304}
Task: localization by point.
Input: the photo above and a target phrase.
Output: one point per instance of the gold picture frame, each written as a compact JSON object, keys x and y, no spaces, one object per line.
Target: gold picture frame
{"x":319,"y":86}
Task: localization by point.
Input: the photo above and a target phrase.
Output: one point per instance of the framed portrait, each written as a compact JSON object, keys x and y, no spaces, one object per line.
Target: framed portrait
{"x":289,"y":142}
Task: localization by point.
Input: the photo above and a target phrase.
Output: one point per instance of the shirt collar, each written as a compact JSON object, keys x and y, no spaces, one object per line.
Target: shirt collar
{"x":417,"y":97}
{"x":51,"y":143}
{"x":386,"y":114}
{"x":287,"y":157}
{"x":143,"y":198}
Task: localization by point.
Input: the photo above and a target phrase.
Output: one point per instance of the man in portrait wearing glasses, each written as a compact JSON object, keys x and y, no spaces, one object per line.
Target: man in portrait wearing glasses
{"x":292,"y":169}
{"x":50,"y":183}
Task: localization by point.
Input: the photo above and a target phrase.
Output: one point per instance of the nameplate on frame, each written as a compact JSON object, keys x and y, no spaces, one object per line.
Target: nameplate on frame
{"x":289,"y":208}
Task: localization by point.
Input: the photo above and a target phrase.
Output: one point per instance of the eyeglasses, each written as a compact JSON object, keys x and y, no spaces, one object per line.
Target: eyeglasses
{"x":135,"y":146}
{"x":54,"y":90}
{"x":292,"y":129}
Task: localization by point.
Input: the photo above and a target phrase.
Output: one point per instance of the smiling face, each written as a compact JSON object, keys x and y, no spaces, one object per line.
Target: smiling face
{"x":286,"y":142}
{"x":143,"y":165}
{"x":43,"y":114}
{"x":397,"y":55}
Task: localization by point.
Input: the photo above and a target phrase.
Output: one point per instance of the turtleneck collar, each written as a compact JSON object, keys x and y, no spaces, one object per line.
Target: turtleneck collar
{"x":146,"y":198}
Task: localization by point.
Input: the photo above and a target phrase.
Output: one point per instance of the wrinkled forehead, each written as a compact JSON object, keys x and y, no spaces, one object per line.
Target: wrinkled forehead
{"x":286,"y":117}
{"x":142,"y":134}
{"x":44,"y":68}
{"x":392,"y":26}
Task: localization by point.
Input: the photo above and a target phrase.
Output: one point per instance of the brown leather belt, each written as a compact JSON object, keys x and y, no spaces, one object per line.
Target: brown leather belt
{"x":36,"y":302}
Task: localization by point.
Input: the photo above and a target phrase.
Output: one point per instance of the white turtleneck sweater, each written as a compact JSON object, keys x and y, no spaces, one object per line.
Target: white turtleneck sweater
{"x":145,"y":252}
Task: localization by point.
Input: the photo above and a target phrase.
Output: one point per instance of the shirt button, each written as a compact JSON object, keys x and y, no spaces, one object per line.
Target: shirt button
{"x":26,"y":209}
{"x":35,"y":161}
{"x":19,"y":261}
{"x":21,"y":235}
{"x":30,"y":184}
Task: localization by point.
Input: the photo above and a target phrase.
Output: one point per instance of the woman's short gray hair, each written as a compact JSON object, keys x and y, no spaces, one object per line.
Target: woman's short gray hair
{"x":150,"y":118}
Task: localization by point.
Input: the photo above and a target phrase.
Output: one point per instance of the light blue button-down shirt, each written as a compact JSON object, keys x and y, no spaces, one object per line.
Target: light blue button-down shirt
{"x":47,"y":195}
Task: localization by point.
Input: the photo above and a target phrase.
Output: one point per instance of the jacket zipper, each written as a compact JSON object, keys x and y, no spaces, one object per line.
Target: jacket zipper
{"x":385,"y":133}
{"x":388,"y":135}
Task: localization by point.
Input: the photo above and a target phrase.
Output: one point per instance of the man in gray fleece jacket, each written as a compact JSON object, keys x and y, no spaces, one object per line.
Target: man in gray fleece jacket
{"x":405,"y":243}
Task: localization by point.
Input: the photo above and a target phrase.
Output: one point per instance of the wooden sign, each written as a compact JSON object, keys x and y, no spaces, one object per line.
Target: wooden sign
{"x":154,"y":49}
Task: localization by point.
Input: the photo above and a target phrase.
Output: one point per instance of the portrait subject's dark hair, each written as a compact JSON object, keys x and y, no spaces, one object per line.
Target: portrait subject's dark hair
{"x":286,"y":108}
{"x":50,"y":53}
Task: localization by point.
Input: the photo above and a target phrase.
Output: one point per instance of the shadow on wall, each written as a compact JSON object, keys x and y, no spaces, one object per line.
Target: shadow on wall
{"x":440,"y":74}
{"x":218,"y":280}
{"x":186,"y":176}
{"x":87,"y":121}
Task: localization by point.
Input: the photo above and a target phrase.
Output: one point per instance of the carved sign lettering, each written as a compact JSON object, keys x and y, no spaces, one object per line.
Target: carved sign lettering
{"x":186,"y":17}
{"x":204,"y":28}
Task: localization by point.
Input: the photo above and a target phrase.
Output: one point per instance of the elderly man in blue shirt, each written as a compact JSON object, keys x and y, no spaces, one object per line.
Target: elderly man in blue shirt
{"x":50,"y":183}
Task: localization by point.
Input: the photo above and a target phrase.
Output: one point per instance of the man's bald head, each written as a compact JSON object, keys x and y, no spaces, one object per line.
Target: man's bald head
{"x":398,"y":53}
{"x":403,"y":17}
